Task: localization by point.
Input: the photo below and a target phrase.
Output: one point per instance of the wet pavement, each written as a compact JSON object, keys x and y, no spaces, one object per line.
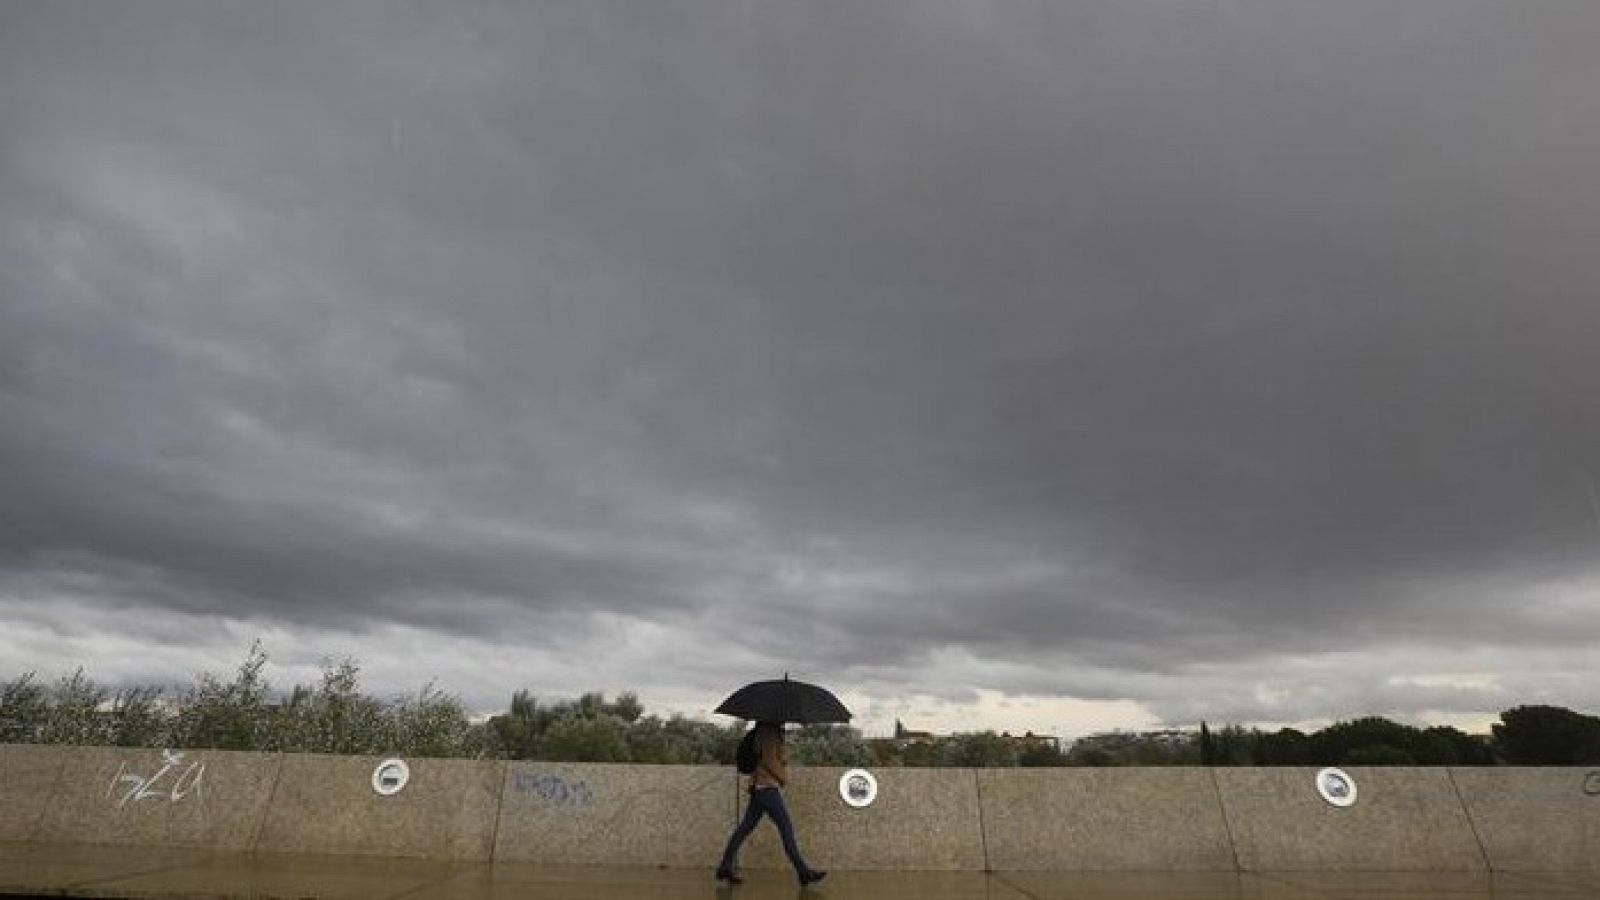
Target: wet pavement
{"x":82,"y":870}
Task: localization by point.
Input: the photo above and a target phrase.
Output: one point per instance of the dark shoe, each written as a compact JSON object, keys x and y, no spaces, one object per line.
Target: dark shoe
{"x":728,"y":876}
{"x":812,"y":877}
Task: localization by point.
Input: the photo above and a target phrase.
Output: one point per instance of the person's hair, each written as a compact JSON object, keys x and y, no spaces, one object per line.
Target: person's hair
{"x":770,"y":728}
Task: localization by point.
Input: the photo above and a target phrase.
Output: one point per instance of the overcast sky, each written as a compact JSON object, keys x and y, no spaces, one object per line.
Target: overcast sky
{"x":1057,"y":366}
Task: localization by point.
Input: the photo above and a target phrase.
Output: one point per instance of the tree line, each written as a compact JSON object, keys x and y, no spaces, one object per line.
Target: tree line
{"x":242,"y":712}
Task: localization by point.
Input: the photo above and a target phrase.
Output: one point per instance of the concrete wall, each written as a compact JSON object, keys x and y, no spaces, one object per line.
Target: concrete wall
{"x":28,"y":776}
{"x":1166,"y":819}
{"x":187,"y":798}
{"x":921,"y":819}
{"x":1159,"y":819}
{"x":1534,"y":820}
{"x":326,"y":804}
{"x":1404,"y":819}
{"x":595,"y":814}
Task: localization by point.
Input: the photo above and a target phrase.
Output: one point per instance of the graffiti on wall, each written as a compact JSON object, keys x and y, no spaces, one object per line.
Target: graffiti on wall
{"x":173,"y":782}
{"x":553,"y":789}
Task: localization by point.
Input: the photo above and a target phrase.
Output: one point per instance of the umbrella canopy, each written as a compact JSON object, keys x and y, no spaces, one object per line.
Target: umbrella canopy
{"x":784,"y":701}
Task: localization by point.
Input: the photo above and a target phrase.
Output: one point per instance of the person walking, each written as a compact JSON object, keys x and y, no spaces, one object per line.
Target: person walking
{"x":767,"y":781}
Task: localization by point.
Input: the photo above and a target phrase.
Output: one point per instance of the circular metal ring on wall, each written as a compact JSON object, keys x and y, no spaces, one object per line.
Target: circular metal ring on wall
{"x":1337,"y":787}
{"x":390,"y":777}
{"x":858,"y":788}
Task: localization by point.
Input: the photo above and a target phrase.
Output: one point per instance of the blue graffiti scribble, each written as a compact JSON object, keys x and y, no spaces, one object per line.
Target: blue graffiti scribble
{"x":553,"y":789}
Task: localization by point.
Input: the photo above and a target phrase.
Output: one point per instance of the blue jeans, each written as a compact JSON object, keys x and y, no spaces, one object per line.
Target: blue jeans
{"x":766,"y":801}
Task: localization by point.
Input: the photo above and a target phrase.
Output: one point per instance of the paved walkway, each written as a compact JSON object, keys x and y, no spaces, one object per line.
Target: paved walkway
{"x":80,"y":870}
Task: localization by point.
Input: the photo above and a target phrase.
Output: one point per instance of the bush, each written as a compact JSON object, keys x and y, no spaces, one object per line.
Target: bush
{"x":23,"y":710}
{"x":1372,"y":737}
{"x":136,"y":720}
{"x":75,"y":716}
{"x":1284,"y":747}
{"x":226,"y":715}
{"x":1378,"y":755}
{"x":335,"y":717}
{"x":830,"y":745}
{"x":977,"y":750}
{"x":583,"y":738}
{"x":435,"y":724}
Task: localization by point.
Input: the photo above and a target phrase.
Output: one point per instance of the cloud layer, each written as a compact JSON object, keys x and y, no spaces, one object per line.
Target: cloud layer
{"x":1232,"y":360}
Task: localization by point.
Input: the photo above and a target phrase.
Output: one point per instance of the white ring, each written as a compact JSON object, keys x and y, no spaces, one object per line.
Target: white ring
{"x":858,"y":788}
{"x":1336,"y":786}
{"x":390,"y":777}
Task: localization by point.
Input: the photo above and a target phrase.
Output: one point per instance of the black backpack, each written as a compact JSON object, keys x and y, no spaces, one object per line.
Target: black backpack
{"x":748,"y":756}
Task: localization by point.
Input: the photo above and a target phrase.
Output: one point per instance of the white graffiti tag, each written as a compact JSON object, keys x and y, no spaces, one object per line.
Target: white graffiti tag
{"x":139,"y":787}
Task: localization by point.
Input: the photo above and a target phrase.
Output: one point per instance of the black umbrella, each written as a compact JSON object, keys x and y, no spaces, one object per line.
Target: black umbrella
{"x":784,"y":701}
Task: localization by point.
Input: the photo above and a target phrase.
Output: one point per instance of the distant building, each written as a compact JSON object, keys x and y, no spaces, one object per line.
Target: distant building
{"x":1122,"y":740}
{"x":904,"y":736}
{"x":1031,"y":741}
{"x":902,"y":733}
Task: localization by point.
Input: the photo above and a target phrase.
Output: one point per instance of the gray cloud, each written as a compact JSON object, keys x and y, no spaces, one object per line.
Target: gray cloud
{"x":1092,"y":345}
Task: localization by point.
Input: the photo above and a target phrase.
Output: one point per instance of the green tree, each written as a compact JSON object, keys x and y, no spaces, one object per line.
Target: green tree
{"x":1442,"y":745}
{"x":627,"y":707}
{"x":649,"y":742}
{"x":136,"y":720}
{"x":335,"y":716}
{"x":1091,"y":757}
{"x":1234,"y":746}
{"x":705,"y":742}
{"x":886,"y":754}
{"x":75,"y":715}
{"x":1386,"y":743}
{"x":921,"y":753}
{"x":226,"y":715}
{"x":1040,"y":755}
{"x":1547,"y":736}
{"x":979,"y":749}
{"x":830,"y":745}
{"x":515,"y":733}
{"x":1284,"y":747}
{"x":651,"y":739}
{"x":23,"y":710}
{"x":587,"y":738}
{"x":1378,"y":755}
{"x":434,"y":724}
{"x":594,"y":705}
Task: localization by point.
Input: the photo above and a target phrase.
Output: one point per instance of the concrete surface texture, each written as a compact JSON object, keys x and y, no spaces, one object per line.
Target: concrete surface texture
{"x":921,"y":819}
{"x":1404,"y":819}
{"x":326,"y":804}
{"x":1464,"y":821}
{"x":1104,"y":819}
{"x":28,"y":775}
{"x":122,"y":871}
{"x":596,"y":814}
{"x":1538,"y":819}
{"x":166,"y":798}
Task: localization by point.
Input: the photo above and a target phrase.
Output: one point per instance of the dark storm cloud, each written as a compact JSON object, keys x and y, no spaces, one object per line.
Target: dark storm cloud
{"x":1102,"y":342}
